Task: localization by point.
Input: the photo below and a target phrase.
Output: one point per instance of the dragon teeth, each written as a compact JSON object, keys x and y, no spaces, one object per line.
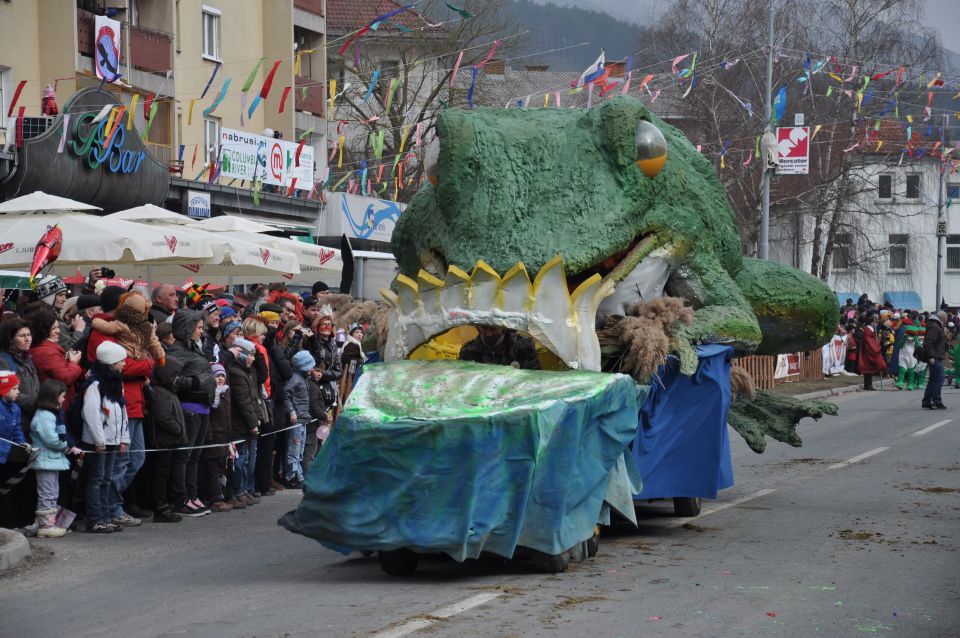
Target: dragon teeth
{"x":544,"y":308}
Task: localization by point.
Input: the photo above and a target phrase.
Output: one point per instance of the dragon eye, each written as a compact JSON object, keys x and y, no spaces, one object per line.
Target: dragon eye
{"x":430,"y":159}
{"x":651,"y":149}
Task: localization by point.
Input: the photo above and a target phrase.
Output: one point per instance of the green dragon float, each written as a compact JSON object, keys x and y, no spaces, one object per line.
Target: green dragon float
{"x":607,"y":238}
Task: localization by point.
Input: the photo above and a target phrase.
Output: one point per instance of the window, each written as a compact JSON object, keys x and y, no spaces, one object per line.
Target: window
{"x":842,"y":251}
{"x":885,"y":187}
{"x":211,"y":137}
{"x":211,"y":33}
{"x":953,"y":191}
{"x":913,"y":186}
{"x":898,"y":251}
{"x":953,"y":252}
{"x":389,"y":69}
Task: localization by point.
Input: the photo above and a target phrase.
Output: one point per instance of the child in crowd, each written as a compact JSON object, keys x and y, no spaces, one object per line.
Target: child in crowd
{"x":49,"y":433}
{"x":165,"y":334}
{"x":105,"y":432}
{"x":213,"y":460}
{"x":296,"y":401}
{"x":12,"y":456}
{"x":320,"y":416}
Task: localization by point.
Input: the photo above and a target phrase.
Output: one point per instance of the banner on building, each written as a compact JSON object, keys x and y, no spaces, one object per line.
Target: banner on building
{"x":247,"y":155}
{"x":793,"y":145}
{"x":359,"y":217}
{"x":198,"y":204}
{"x":106,"y":48}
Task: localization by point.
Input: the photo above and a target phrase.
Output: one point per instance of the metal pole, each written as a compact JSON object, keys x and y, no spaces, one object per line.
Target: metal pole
{"x":767,"y":111}
{"x":941,"y":236}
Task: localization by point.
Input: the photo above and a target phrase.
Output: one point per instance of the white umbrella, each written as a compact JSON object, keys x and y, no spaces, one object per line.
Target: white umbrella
{"x":314,"y":260}
{"x":40,"y":202}
{"x":233,"y":223}
{"x":94,"y":241}
{"x":151,"y":213}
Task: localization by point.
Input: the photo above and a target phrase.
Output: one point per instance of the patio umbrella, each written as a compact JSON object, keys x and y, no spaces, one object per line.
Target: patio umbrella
{"x":40,"y":202}
{"x":152,"y":213}
{"x":233,"y":223}
{"x":94,"y":241}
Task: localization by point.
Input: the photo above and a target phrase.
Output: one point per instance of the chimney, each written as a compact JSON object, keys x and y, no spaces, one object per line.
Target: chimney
{"x":495,"y":67}
{"x":617,"y":69}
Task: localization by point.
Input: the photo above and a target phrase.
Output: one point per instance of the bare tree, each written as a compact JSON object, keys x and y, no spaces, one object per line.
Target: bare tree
{"x":417,"y":60}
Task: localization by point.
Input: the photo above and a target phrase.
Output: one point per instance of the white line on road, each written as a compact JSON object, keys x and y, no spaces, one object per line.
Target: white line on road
{"x":717,"y":508}
{"x":858,"y":458}
{"x":931,"y":428}
{"x":445,"y":612}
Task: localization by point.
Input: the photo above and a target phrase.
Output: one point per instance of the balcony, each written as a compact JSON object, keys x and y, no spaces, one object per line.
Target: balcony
{"x":314,"y":101}
{"x":149,"y":48}
{"x":313,"y":6}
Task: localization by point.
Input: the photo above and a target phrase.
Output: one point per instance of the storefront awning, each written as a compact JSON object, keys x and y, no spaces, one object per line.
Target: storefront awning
{"x":908,"y":300}
{"x":843,"y":296}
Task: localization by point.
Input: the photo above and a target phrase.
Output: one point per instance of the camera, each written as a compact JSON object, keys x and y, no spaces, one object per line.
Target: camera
{"x":107,"y":273}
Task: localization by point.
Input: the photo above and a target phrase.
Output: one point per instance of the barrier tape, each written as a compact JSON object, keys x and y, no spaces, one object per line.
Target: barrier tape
{"x":36,"y":451}
{"x":12,"y":482}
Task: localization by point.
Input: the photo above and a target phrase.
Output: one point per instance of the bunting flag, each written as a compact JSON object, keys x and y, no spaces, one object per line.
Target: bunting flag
{"x":223,"y":92}
{"x":296,"y":160}
{"x":63,"y":137}
{"x":363,"y":176}
{"x":333,"y":95}
{"x":373,"y":24}
{"x":419,"y":130}
{"x":546,"y":100}
{"x":466,"y":15}
{"x":847,"y":150}
{"x":899,"y":77}
{"x":456,"y":68}
{"x":283,"y":97}
{"x":257,"y":188}
{"x":746,"y":105}
{"x":645,"y":81}
{"x":373,"y":85}
{"x":194,"y":162}
{"x":113,"y":125}
{"x":146,"y":128}
{"x":180,"y":153}
{"x":296,"y":63}
{"x":756,"y":147}
{"x":880,"y":76}
{"x":210,"y":81}
{"x":592,"y":72}
{"x":390,"y":92}
{"x":104,"y":112}
{"x":243,"y":106}
{"x":265,"y":89}
{"x":148,"y":104}
{"x":489,"y":57}
{"x":626,"y":85}
{"x":133,"y":109}
{"x":816,"y":129}
{"x":293,"y":185}
{"x":677,"y":60}
{"x":20,"y":113}
{"x":556,"y":95}
{"x":853,"y":74}
{"x":340,"y":159}
{"x":780,"y":104}
{"x":193,"y":102}
{"x":16,"y":96}
{"x":380,"y":174}
{"x":253,"y":75}
{"x":306,"y":134}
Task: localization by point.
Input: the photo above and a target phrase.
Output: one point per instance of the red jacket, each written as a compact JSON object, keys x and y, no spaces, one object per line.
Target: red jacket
{"x":50,"y":360}
{"x":135,"y":372}
{"x":871,"y":359}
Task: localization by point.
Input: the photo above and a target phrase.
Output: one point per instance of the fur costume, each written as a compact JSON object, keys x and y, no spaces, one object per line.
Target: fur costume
{"x":133,"y":329}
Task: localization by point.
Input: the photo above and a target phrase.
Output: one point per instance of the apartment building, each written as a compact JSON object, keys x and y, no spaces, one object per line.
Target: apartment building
{"x":168,"y":51}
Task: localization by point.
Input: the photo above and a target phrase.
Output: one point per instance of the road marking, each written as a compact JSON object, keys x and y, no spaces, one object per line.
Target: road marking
{"x":858,"y":458}
{"x":718,"y":508}
{"x":440,"y":614}
{"x":931,"y":428}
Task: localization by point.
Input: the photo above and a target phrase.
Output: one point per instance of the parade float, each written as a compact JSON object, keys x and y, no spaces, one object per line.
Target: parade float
{"x":605,"y":237}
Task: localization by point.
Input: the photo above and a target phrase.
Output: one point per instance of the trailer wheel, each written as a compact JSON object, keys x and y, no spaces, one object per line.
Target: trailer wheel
{"x":548,"y":564}
{"x":593,"y":543}
{"x":686,"y":505}
{"x":399,"y":562}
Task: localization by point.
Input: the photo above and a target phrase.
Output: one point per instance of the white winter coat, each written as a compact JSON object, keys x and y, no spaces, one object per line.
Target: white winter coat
{"x":104,"y":421}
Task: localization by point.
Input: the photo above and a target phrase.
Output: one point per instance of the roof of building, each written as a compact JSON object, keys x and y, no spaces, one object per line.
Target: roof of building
{"x":893,"y":135}
{"x":348,"y":15}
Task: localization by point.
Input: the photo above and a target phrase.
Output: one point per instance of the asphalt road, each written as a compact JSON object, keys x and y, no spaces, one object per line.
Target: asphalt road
{"x":810,"y":541}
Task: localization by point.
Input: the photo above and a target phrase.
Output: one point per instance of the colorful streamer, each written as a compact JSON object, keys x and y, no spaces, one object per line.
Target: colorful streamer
{"x":223,"y":92}
{"x":373,"y":85}
{"x":376,"y":21}
{"x":210,"y":81}
{"x":16,"y":97}
{"x":456,"y":68}
{"x":133,"y":109}
{"x":253,"y":74}
{"x":283,"y":97}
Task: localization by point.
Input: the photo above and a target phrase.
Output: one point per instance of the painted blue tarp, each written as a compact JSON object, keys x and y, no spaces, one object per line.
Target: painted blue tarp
{"x":459,"y":458}
{"x":682,"y":447}
{"x":905,"y":300}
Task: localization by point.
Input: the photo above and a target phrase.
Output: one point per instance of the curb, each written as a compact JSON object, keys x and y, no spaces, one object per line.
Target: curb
{"x":833,"y":392}
{"x":13,"y":548}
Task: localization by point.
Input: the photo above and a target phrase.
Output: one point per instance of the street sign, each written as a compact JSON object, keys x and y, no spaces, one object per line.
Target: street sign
{"x":793,"y":145}
{"x":798,"y":119}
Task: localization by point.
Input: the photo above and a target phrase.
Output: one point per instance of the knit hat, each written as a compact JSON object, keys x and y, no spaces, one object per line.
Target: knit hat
{"x":226,"y":311}
{"x":48,"y":290}
{"x":217,"y":369}
{"x":245,"y":345}
{"x":8,"y":381}
{"x":109,"y":353}
{"x":207,"y":307}
{"x":110,"y":298}
{"x":269,"y":315}
{"x":271,"y":307}
{"x":229,"y":327}
{"x":304,"y":361}
{"x":195,"y":294}
{"x":319,"y":286}
{"x":85,"y":302}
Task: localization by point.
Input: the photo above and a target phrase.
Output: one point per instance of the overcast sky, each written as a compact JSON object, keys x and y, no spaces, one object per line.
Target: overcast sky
{"x":943,"y":15}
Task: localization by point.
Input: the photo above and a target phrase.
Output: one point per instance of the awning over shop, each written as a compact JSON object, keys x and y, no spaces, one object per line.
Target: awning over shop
{"x":843,"y":296}
{"x":906,"y":299}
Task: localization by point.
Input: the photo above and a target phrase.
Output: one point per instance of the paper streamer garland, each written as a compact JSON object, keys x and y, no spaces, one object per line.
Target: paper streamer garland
{"x":210,"y":81}
{"x":133,"y":109}
{"x":283,"y":97}
{"x":220,"y":96}
{"x":253,"y":74}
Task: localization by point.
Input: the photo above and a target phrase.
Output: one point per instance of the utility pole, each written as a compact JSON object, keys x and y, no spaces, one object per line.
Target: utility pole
{"x":767,"y":170}
{"x":941,"y":226}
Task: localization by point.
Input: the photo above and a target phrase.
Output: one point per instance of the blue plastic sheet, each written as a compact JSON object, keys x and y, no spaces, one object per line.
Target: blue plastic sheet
{"x":682,"y":447}
{"x":464,"y":458}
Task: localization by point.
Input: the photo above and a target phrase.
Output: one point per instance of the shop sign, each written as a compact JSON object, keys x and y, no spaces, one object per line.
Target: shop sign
{"x":90,"y":140}
{"x":246,"y":156}
{"x":198,"y":204}
{"x":360,"y":217}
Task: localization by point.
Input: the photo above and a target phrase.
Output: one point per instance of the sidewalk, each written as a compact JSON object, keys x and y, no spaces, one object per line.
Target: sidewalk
{"x":827,"y":387}
{"x":13,"y":548}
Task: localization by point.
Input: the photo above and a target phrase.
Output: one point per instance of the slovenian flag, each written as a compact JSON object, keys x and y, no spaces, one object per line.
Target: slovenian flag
{"x":593,"y":73}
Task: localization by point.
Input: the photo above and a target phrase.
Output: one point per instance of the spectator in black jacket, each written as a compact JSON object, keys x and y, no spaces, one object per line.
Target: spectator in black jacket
{"x":247,"y":414}
{"x":934,"y":349}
